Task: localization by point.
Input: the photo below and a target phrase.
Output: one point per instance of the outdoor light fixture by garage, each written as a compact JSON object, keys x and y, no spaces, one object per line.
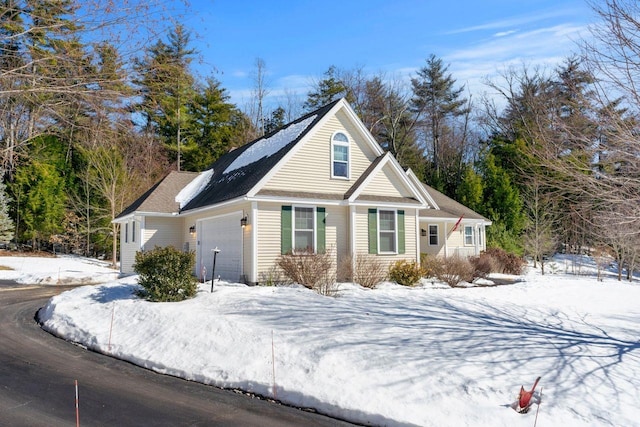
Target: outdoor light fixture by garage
{"x":244,"y":221}
{"x":192,"y":230}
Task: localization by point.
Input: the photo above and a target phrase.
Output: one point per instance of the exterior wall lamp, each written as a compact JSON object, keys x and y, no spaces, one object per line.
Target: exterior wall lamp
{"x":244,"y":221}
{"x":192,"y":230}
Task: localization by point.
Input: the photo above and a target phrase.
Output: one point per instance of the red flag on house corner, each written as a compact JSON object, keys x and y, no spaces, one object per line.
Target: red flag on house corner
{"x":455,"y":227}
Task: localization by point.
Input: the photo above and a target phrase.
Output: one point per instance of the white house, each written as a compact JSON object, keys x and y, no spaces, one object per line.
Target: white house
{"x":320,"y":183}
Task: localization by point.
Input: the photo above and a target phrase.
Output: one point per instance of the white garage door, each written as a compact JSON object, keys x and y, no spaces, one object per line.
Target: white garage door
{"x":224,"y":233}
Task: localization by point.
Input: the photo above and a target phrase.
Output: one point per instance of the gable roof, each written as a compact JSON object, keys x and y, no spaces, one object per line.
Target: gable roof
{"x":448,"y":208}
{"x":161,"y":198}
{"x":357,"y":189}
{"x":238,"y":171}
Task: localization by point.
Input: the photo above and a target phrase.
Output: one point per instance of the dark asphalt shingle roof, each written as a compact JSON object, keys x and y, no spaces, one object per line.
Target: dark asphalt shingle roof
{"x":238,"y":182}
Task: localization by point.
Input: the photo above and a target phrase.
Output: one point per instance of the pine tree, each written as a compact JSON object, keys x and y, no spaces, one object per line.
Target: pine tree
{"x":168,"y":86}
{"x":437,"y":103}
{"x":327,"y":90}
{"x":216,"y":126}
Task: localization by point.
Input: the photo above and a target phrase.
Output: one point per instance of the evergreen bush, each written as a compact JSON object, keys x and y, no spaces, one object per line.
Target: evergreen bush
{"x":166,"y":274}
{"x":406,"y":273}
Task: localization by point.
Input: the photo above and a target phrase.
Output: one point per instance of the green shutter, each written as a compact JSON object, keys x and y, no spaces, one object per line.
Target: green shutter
{"x":285,"y":230}
{"x":400,"y":232}
{"x":373,"y":231}
{"x":321,"y":235}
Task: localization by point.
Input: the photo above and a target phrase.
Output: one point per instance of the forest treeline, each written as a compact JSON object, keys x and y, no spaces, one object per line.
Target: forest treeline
{"x":551,"y":157}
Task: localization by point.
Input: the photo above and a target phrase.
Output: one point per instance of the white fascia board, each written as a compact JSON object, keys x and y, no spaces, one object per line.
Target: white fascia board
{"x":405,"y":179}
{"x":394,"y":205}
{"x":135,"y":214}
{"x":368,"y":179}
{"x":416,"y":182}
{"x":361,"y":127}
{"x":294,"y":200}
{"x":389,"y":159}
{"x":256,"y":188}
{"x":215,"y":206}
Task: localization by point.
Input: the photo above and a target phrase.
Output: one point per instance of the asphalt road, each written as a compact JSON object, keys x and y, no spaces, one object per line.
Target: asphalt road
{"x":37,"y":373}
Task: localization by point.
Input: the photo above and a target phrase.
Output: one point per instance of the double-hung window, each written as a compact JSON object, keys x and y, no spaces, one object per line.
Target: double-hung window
{"x":303,"y":230}
{"x":339,"y":155}
{"x":433,"y":235}
{"x":468,"y":235}
{"x":387,"y":230}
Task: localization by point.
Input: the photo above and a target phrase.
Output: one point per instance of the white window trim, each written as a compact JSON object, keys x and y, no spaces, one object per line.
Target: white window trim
{"x":343,"y":144}
{"x":395,"y":232}
{"x":473,"y":235}
{"x":293,"y":227}
{"x":437,"y":234}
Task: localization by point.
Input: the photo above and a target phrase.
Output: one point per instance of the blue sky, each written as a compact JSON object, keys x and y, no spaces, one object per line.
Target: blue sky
{"x":299,"y":40}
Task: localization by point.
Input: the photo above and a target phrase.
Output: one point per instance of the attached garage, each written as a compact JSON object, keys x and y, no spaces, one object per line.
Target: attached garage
{"x":225,"y":233}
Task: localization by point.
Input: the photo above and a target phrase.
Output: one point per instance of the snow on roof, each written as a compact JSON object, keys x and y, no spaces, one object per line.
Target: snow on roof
{"x":269,"y":146}
{"x":194,"y":188}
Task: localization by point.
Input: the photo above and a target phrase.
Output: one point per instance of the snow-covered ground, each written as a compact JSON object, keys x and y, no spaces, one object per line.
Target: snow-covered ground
{"x":60,"y":270}
{"x":429,"y":356}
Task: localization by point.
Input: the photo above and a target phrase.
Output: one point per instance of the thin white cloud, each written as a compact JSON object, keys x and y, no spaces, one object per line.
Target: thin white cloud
{"x":516,"y":21}
{"x":504,"y":33}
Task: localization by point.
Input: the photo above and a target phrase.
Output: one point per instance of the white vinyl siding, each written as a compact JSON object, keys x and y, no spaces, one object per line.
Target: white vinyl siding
{"x":362,"y":236}
{"x":162,"y":232}
{"x":384,"y":183}
{"x":336,"y":235}
{"x":310,"y":169}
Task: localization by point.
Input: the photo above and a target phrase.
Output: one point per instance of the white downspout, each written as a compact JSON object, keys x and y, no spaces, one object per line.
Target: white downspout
{"x":254,"y":242}
{"x":352,"y":236}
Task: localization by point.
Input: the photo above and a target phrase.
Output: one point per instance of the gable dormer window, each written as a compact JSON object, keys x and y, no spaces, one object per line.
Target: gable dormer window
{"x":340,"y":155}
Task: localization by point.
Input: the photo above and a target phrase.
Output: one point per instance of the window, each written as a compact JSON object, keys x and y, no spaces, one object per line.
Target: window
{"x":386,"y":233}
{"x":468,"y":235}
{"x":339,"y":156}
{"x":433,"y":235}
{"x":126,"y":232}
{"x":133,"y":231}
{"x":387,"y":221}
{"x":303,"y":227}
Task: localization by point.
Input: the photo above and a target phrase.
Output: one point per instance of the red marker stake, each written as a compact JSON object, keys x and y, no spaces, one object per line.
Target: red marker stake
{"x":77,"y":408}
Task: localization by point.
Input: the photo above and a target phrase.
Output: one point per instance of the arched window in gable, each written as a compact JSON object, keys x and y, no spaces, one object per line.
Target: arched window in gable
{"x":340,"y":155}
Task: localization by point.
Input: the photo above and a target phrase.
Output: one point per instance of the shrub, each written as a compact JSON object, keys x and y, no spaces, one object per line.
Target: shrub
{"x":271,"y":277}
{"x":367,"y":271}
{"x":406,"y":273}
{"x":312,"y":270}
{"x":456,"y":269}
{"x":483,"y":265}
{"x":432,"y":265}
{"x":505,"y":262}
{"x":166,"y":274}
